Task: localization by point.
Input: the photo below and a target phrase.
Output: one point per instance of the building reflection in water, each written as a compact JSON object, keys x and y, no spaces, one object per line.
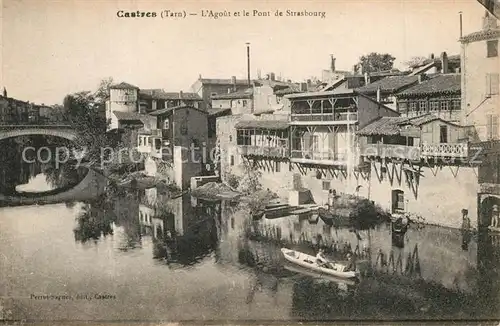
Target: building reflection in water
{"x":182,"y":233}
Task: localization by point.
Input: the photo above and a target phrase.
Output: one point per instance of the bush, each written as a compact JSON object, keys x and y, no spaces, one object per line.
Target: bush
{"x":232,"y":180}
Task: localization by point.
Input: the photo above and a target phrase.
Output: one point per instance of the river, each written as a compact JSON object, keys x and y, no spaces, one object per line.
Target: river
{"x":138,"y":255}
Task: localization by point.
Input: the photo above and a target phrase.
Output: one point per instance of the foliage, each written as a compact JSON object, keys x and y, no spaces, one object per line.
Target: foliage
{"x":415,"y":62}
{"x":250,"y":181}
{"x":232,"y":180}
{"x":366,"y":215}
{"x":374,"y":62}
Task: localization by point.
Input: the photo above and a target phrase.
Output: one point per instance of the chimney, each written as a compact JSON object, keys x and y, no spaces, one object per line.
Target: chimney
{"x":233,"y":82}
{"x":431,"y":55}
{"x":444,"y":63}
{"x":303,"y":87}
{"x":332,"y":63}
{"x":199,"y":76}
{"x":272,"y":76}
{"x":309,"y":82}
{"x":4,"y":92}
{"x":378,"y":94}
{"x":248,"y":64}
{"x":367,"y":78}
{"x":461,"y":28}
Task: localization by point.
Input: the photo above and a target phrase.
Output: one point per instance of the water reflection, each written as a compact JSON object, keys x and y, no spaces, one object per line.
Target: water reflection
{"x":35,"y":174}
{"x":221,"y":264}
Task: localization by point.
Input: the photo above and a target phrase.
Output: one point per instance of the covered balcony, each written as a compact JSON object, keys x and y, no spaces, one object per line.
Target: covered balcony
{"x":263,"y":138}
{"x":323,"y":108}
{"x":422,"y":137}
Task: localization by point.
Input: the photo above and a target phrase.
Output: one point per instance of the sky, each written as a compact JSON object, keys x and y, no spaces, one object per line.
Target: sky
{"x":51,"y":48}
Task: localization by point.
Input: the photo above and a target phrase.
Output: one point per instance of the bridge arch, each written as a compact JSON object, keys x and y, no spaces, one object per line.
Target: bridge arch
{"x":65,"y":133}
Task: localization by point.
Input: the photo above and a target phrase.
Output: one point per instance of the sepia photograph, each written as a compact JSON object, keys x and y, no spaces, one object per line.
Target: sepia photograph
{"x":249,"y":162}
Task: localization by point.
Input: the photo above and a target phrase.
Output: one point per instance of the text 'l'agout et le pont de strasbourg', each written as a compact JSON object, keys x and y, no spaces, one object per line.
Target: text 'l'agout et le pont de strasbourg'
{"x":216,"y":14}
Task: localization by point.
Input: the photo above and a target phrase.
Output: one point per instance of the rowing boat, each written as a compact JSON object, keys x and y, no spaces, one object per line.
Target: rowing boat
{"x":309,"y":262}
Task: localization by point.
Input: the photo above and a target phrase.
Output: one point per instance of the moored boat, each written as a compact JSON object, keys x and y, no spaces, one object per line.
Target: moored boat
{"x":309,"y":262}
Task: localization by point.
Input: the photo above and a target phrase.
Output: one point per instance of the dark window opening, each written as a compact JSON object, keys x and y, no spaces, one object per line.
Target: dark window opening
{"x":492,"y":48}
{"x":326,"y":185}
{"x":278,"y":166}
{"x":443,"y":134}
{"x":232,"y":160}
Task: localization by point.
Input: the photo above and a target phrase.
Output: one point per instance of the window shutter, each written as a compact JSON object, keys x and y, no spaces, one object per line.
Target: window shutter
{"x":494,"y":126}
{"x":494,"y":80}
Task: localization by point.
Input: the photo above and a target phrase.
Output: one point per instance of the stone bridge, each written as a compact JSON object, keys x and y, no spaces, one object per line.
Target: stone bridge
{"x":62,"y":131}
{"x":90,"y":187}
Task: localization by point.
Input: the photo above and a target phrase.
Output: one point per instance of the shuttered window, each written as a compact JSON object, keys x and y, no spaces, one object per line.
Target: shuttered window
{"x":492,"y":48}
{"x":492,"y":126}
{"x":492,"y":84}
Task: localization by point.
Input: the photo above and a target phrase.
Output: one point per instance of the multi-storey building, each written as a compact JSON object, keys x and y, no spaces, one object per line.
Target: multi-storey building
{"x":439,"y":95}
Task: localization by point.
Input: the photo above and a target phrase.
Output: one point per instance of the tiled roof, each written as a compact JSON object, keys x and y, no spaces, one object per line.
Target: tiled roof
{"x":123,"y":85}
{"x":442,"y":84}
{"x":387,"y":73}
{"x":179,"y":107}
{"x":218,"y":81}
{"x":160,"y":94}
{"x":127,"y":116}
{"x":247,"y":93}
{"x":389,"y":84}
{"x":481,"y":35}
{"x":263,"y":124}
{"x":217,"y":111}
{"x":289,"y":90}
{"x":388,"y":126}
{"x":391,"y":126}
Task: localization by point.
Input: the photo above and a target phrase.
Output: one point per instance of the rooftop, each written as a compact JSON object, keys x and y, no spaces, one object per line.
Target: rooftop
{"x":492,"y":33}
{"x":441,"y":84}
{"x":391,"y":84}
{"x":263,"y":124}
{"x":123,"y":85}
{"x":222,"y":81}
{"x":127,"y":116}
{"x":391,"y":126}
{"x":179,"y":107}
{"x":160,"y":94}
{"x":246,"y":93}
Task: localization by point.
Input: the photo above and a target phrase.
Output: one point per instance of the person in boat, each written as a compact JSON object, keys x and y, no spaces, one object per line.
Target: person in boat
{"x":321,"y":259}
{"x":351,"y":263}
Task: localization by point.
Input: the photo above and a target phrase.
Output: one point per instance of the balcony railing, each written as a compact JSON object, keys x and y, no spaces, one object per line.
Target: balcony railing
{"x":445,"y":150}
{"x":455,"y":150}
{"x":325,"y":117}
{"x":392,"y":151}
{"x":264,"y":151}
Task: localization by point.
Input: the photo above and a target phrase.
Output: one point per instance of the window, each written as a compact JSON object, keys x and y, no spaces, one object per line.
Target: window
{"x":278,"y":166}
{"x":492,"y":84}
{"x":455,"y":105}
{"x":326,"y":185}
{"x":244,"y":103}
{"x":434,"y":105}
{"x":398,"y":200}
{"x":444,"y":105}
{"x":492,"y":126}
{"x":166,"y":124}
{"x":243,"y":137}
{"x":413,"y":106}
{"x":422,"y":105}
{"x":232,"y":160}
{"x":443,"y":134}
{"x":403,"y":106}
{"x":492,"y":49}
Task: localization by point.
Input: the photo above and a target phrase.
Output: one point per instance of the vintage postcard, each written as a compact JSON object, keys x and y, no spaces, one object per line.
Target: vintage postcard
{"x":249,"y":161}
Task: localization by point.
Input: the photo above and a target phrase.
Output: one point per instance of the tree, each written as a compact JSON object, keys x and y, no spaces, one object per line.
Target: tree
{"x":374,"y":62}
{"x":415,"y":62}
{"x":101,"y":95}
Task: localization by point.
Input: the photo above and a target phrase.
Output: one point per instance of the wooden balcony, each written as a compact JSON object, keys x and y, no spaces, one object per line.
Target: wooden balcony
{"x":391,"y":151}
{"x":324,"y":118}
{"x":264,"y":151}
{"x":318,"y":157}
{"x":445,"y":150}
